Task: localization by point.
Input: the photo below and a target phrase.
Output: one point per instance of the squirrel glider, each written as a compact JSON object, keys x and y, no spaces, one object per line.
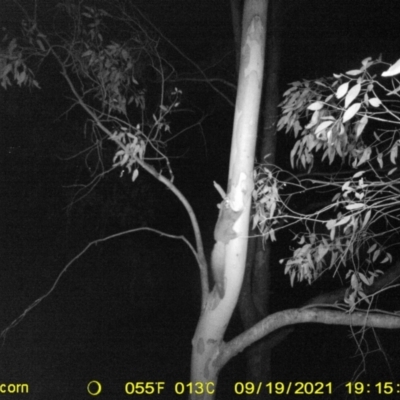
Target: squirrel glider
{"x":223,"y":234}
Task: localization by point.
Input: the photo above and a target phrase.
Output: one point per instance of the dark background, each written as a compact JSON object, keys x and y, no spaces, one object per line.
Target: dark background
{"x":127,"y":309}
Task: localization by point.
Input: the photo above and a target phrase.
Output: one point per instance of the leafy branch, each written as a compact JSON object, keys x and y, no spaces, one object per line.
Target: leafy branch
{"x":353,"y":119}
{"x":120,"y":84}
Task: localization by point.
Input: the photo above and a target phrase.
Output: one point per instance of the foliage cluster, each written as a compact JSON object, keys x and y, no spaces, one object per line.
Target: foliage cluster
{"x":351,"y":121}
{"x":108,"y":78}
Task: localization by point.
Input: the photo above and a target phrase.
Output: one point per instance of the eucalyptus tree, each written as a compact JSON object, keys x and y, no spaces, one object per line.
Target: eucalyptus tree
{"x":104,"y":79}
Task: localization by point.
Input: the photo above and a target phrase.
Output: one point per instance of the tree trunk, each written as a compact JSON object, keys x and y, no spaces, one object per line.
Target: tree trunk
{"x":236,"y":11}
{"x":255,"y":296}
{"x":219,"y":306}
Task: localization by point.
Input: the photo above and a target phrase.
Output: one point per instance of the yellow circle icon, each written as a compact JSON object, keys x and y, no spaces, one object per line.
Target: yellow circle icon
{"x":91,"y":388}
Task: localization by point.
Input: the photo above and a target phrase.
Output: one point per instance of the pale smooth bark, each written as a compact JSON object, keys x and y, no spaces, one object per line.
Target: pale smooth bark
{"x":256,"y":291}
{"x":208,"y":338}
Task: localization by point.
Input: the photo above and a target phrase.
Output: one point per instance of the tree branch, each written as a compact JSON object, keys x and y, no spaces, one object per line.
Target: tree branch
{"x":301,"y":316}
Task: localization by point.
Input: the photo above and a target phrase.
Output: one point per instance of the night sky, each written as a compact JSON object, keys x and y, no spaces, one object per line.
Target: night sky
{"x":127,"y":309}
